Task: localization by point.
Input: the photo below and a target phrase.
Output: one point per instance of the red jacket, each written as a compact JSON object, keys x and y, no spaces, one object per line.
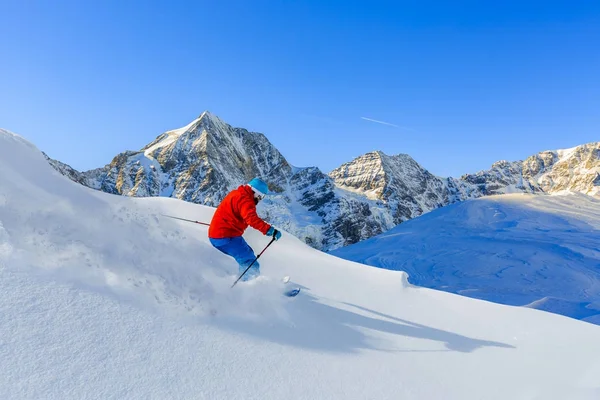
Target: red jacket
{"x":235,"y":213}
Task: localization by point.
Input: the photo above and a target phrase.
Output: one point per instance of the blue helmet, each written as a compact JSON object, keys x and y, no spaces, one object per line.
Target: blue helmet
{"x":259,"y":186}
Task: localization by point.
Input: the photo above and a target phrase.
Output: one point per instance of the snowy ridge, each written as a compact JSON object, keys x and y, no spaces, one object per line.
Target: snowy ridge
{"x":102,"y":298}
{"x":167,"y":138}
{"x":574,"y":170}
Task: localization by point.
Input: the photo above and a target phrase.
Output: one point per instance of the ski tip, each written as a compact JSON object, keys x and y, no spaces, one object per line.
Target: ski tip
{"x":286,"y":279}
{"x":292,"y":293}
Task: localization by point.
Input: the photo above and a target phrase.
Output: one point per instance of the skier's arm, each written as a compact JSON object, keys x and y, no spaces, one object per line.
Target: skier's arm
{"x":248,"y":212}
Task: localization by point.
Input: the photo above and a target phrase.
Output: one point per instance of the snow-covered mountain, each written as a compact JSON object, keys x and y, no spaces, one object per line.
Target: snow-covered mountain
{"x":101,"y":298}
{"x":204,"y":160}
{"x":540,"y":251}
{"x":575,"y":170}
{"x":199,"y":163}
{"x":407,"y":189}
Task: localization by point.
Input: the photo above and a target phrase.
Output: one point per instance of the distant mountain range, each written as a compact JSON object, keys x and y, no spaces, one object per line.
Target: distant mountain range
{"x":204,"y":160}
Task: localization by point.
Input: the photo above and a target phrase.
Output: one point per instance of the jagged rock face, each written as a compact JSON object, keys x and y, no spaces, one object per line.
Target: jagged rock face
{"x":66,"y":170}
{"x":576,"y":170}
{"x":365,"y":174}
{"x":345,"y":218}
{"x":203,"y":161}
{"x":502,"y":177}
{"x":538,"y":164}
{"x":88,"y":178}
{"x":200,"y":163}
{"x":399,"y":183}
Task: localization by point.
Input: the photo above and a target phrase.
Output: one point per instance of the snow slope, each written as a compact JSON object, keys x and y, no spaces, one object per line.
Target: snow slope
{"x":537,"y":250}
{"x":101,"y":298}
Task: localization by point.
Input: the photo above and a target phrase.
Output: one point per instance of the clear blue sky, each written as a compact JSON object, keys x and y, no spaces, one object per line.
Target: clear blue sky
{"x":466,"y":83}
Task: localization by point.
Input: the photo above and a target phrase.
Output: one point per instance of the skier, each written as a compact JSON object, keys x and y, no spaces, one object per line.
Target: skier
{"x":236,"y":212}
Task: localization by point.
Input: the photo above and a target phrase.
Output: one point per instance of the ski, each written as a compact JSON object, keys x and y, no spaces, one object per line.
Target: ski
{"x":292,"y":292}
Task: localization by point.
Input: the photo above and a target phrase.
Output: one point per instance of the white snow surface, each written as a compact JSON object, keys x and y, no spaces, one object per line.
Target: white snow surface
{"x":102,"y":298}
{"x":539,"y":251}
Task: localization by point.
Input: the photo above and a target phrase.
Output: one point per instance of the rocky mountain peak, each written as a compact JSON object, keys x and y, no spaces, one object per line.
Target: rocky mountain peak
{"x":365,"y":174}
{"x":576,"y":169}
{"x":380,"y":177}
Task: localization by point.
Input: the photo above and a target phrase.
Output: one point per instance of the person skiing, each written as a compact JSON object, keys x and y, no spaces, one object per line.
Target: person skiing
{"x":236,"y":212}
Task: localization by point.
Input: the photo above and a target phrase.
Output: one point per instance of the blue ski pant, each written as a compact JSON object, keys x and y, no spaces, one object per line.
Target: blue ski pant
{"x":237,"y":248}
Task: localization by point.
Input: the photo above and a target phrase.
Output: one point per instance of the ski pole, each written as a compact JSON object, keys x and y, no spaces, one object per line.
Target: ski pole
{"x":187,"y":220}
{"x":251,"y":264}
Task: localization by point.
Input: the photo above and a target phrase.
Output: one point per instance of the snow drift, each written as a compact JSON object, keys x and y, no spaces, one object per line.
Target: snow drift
{"x":536,"y":250}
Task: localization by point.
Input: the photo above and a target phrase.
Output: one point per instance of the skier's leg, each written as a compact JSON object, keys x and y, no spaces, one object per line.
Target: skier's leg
{"x":244,"y":255}
{"x":237,"y":248}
